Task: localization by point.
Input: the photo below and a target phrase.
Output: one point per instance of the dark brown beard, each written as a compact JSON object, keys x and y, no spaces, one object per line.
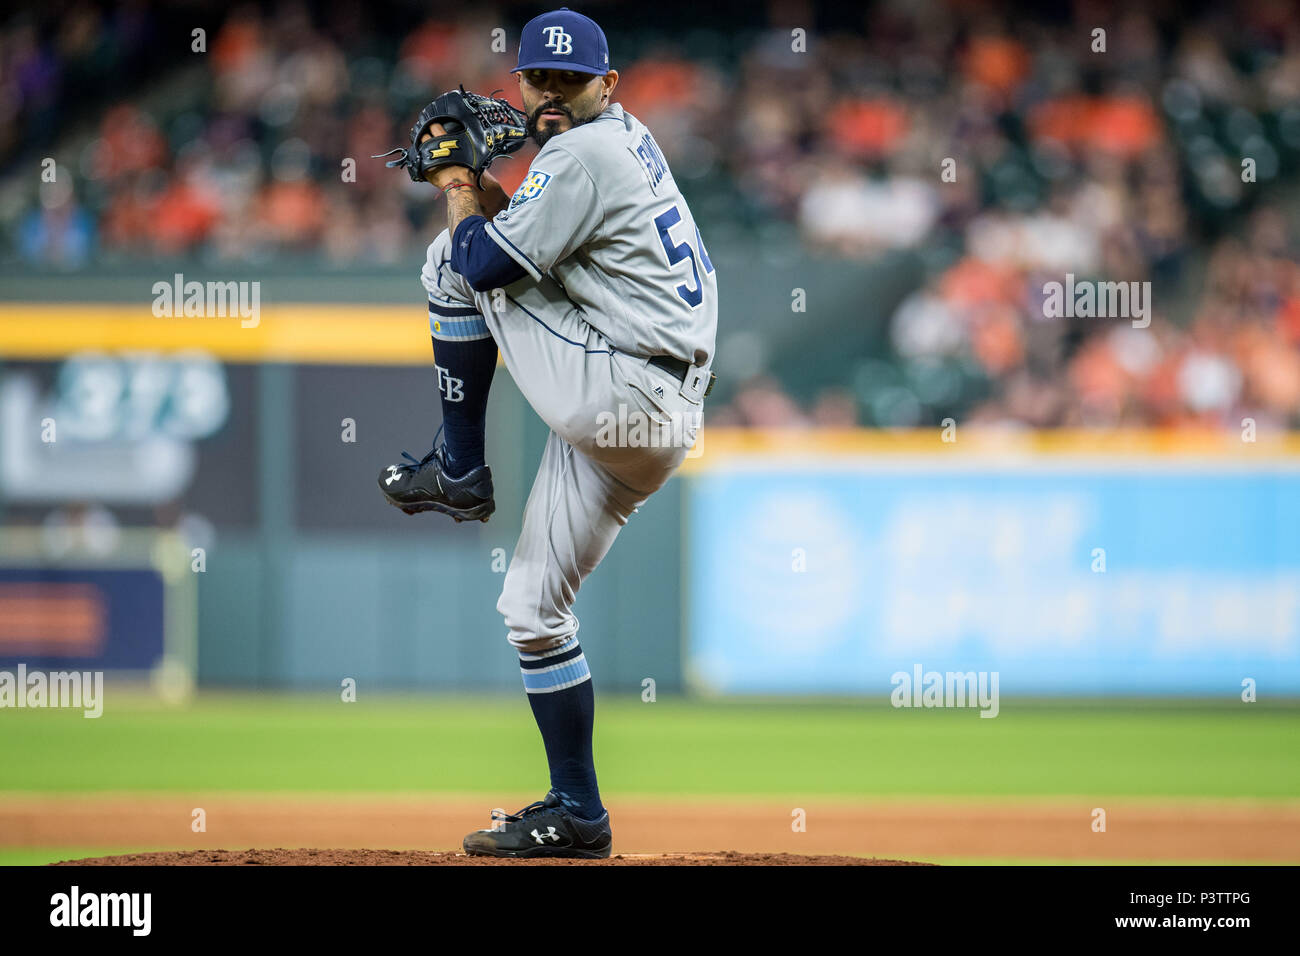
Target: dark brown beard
{"x":542,"y":136}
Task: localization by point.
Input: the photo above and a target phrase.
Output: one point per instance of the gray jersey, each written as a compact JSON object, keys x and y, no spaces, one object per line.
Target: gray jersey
{"x":600,"y":213}
{"x":618,"y":274}
{"x":595,"y":472}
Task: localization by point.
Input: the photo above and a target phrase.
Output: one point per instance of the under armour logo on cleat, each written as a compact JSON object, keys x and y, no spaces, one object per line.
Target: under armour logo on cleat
{"x":393,"y":476}
{"x":541,"y":837}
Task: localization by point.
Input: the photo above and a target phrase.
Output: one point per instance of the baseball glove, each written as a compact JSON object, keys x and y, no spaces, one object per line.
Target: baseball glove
{"x":478,"y":130}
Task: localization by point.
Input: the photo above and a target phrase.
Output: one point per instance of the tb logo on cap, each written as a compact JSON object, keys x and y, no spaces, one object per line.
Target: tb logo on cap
{"x":558,"y":40}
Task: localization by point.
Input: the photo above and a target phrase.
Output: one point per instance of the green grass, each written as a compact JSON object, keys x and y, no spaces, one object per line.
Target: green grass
{"x":1042,"y":861}
{"x":671,"y":748}
{"x":39,"y":856}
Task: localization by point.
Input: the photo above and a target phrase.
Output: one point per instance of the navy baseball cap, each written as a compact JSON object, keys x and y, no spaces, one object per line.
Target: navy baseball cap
{"x":563,"y":40}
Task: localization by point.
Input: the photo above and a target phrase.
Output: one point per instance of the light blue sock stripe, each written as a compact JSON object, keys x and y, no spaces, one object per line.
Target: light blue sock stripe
{"x":566,"y":674}
{"x":474,"y":327}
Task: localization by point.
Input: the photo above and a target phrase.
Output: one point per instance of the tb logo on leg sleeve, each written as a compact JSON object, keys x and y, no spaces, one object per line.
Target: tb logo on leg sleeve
{"x":452,"y":389}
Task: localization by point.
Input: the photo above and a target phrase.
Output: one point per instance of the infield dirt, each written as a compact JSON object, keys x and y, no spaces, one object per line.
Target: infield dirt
{"x":304,"y":857}
{"x":355,"y":828}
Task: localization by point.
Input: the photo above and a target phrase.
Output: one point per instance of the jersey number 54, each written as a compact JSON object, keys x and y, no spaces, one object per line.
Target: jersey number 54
{"x":677,"y":251}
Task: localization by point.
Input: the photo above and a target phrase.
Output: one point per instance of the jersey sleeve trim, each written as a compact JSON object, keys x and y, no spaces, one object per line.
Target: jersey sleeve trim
{"x":556,"y":246}
{"x":484,"y":265}
{"x":514,"y":252}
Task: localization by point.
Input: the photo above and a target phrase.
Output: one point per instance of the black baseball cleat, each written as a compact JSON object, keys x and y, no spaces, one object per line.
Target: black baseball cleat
{"x":424,"y":485}
{"x":545,"y":828}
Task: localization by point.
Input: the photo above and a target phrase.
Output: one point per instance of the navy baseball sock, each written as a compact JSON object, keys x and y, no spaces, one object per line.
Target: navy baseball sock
{"x":465,"y":371}
{"x":564,"y":705}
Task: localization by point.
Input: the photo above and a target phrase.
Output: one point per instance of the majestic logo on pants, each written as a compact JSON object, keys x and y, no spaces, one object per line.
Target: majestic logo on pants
{"x":453,"y":389}
{"x":558,"y":40}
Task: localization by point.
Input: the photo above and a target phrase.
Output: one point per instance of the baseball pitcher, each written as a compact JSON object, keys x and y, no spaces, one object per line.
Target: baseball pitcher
{"x":593,"y":282}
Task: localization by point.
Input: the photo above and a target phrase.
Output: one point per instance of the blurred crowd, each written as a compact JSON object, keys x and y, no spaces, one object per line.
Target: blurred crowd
{"x":1004,"y":149}
{"x":1009,"y":158}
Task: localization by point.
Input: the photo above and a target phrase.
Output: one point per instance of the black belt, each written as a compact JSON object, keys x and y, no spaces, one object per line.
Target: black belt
{"x":678,"y":370}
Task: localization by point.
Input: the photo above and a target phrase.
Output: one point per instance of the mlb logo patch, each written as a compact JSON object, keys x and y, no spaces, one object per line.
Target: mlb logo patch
{"x":530,"y":188}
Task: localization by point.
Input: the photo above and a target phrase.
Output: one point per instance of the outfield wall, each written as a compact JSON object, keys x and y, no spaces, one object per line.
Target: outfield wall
{"x":1074,"y":565}
{"x":307,"y":575}
{"x":776,"y":563}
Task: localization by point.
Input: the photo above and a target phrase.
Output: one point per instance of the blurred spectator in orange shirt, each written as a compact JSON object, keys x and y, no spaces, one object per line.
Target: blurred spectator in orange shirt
{"x":996,"y":63}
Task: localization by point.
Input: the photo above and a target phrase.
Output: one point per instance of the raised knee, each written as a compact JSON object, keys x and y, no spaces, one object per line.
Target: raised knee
{"x":533,"y":626}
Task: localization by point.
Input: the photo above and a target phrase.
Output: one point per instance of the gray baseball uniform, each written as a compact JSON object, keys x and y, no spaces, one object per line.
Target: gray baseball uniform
{"x":617,"y":274}
{"x":600,"y":212}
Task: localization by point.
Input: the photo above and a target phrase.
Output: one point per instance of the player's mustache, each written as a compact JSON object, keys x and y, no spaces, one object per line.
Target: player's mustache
{"x":537,"y":113}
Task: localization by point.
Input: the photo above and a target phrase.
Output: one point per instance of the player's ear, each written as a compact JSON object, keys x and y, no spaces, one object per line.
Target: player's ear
{"x":608,"y":82}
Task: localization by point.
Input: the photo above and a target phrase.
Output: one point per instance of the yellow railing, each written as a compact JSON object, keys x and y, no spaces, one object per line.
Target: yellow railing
{"x":796,"y":446}
{"x":398,"y":335}
{"x":316,"y":334}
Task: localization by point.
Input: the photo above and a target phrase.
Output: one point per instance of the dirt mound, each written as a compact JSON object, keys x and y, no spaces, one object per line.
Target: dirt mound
{"x":309,"y":857}
{"x":1154,"y":830}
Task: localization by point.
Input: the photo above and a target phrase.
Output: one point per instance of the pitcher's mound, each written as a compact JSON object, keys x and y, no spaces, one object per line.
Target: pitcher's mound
{"x":279,"y":857}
